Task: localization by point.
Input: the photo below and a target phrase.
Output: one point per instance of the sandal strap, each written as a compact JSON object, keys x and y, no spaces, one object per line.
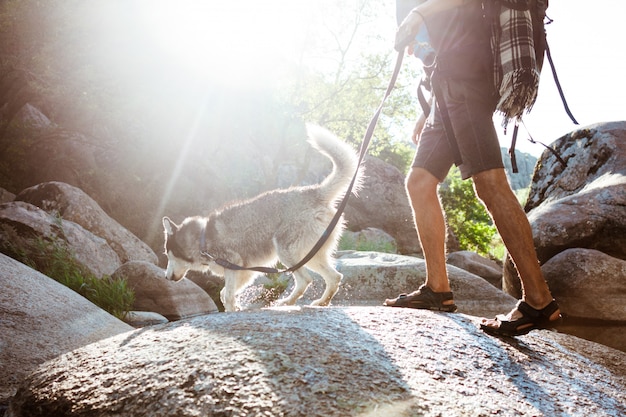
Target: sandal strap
{"x":425,"y":298}
{"x":531,"y":319}
{"x":443,"y":296}
{"x":534,"y":314}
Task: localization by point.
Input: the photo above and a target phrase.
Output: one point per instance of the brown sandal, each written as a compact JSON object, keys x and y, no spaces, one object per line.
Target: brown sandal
{"x":424,"y":298}
{"x":531,"y":319}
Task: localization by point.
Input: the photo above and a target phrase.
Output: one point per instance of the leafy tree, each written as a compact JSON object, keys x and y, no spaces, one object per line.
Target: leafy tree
{"x":344,"y":96}
{"x":467,"y":217}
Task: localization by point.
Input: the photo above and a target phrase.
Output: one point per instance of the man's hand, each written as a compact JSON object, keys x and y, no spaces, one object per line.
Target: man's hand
{"x":417,"y":130}
{"x":405,"y":35}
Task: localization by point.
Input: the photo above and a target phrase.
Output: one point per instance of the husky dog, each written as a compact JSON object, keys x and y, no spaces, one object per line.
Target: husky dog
{"x":277,"y":225}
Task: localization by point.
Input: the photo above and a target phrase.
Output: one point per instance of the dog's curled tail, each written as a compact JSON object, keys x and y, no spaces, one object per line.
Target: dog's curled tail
{"x":344,"y":159}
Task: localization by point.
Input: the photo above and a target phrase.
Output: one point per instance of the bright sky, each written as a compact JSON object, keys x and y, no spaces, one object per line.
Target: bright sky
{"x":239,"y":41}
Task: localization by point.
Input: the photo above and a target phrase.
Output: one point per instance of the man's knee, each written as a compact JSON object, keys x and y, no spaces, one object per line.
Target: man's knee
{"x":420,"y":182}
{"x":491,"y":184}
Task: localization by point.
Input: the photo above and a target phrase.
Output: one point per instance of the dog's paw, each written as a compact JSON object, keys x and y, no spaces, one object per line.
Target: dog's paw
{"x":284,"y":302}
{"x":320,"y":303}
{"x":229,"y":307}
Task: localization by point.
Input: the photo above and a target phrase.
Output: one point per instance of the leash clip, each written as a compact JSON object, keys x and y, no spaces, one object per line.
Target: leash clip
{"x":207,"y":255}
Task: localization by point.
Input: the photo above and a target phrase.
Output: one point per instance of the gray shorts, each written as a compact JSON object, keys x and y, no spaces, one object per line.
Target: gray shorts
{"x":471,"y":107}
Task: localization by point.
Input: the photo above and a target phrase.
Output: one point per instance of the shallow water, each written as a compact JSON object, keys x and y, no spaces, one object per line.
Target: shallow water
{"x":608,"y":333}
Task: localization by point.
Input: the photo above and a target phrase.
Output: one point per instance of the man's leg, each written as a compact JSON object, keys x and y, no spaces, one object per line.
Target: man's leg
{"x":431,"y":227}
{"x":493,"y":189}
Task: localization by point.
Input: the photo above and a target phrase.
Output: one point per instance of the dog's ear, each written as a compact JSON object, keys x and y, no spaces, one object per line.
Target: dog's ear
{"x":169,"y":226}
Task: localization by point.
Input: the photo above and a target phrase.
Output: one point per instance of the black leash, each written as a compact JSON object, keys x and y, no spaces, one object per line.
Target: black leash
{"x":340,"y":209}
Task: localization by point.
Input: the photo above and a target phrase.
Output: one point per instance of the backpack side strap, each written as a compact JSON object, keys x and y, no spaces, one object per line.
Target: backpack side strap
{"x":558,"y":85}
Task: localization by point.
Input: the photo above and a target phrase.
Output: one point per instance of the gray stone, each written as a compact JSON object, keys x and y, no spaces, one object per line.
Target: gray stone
{"x":173,"y":300}
{"x":6,"y":196}
{"x":588,"y":284}
{"x":41,"y":319}
{"x":144,"y":318}
{"x":477,"y":265}
{"x":31,"y":116}
{"x":73,"y":204}
{"x":371,"y":277}
{"x":371,"y":238}
{"x":382,"y":203}
{"x":24,"y":226}
{"x":525,"y":166}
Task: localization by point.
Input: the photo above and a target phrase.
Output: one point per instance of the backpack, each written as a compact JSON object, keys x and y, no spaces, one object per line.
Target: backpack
{"x":514,"y":25}
{"x":518,"y":41}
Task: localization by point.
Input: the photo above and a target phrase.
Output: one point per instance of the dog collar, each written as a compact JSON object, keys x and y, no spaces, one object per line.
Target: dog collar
{"x":203,"y":249}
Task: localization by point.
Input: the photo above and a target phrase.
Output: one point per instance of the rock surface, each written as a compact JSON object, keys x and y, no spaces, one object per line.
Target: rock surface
{"x":25,"y":226}
{"x":139,"y":319}
{"x":173,"y":300}
{"x":74,"y":205}
{"x":477,"y":265}
{"x":355,"y":361}
{"x":382,"y":203}
{"x":588,"y":284}
{"x":376,"y":239}
{"x":525,"y":166}
{"x":41,"y":319}
{"x":6,"y":196}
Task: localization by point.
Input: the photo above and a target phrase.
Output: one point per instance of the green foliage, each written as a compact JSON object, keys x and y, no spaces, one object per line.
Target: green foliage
{"x":522,"y":195}
{"x":345,"y":103}
{"x":467,"y":217}
{"x":348,"y":241}
{"x":275,"y":287}
{"x":56,"y":260}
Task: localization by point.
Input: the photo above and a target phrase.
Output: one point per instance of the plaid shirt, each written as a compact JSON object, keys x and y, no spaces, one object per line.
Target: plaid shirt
{"x":516,"y":75}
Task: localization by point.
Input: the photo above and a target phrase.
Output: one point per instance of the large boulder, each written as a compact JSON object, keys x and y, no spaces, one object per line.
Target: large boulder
{"x":472,"y":262}
{"x":371,"y":239}
{"x":589,"y":284}
{"x":41,"y":319}
{"x":382,"y":203}
{"x":173,"y":300}
{"x":28,"y":230}
{"x":358,"y":361}
{"x":582,"y":204}
{"x":525,"y":166}
{"x":6,"y":196}
{"x":73,"y":204}
{"x":31,"y":116}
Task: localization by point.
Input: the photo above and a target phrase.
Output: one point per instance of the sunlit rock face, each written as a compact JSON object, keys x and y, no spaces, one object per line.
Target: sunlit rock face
{"x":353,"y":361}
{"x":382,"y":203}
{"x":41,"y":319}
{"x":24,"y":229}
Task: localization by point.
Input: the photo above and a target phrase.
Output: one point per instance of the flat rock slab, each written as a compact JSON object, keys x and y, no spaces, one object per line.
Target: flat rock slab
{"x":328,"y":362}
